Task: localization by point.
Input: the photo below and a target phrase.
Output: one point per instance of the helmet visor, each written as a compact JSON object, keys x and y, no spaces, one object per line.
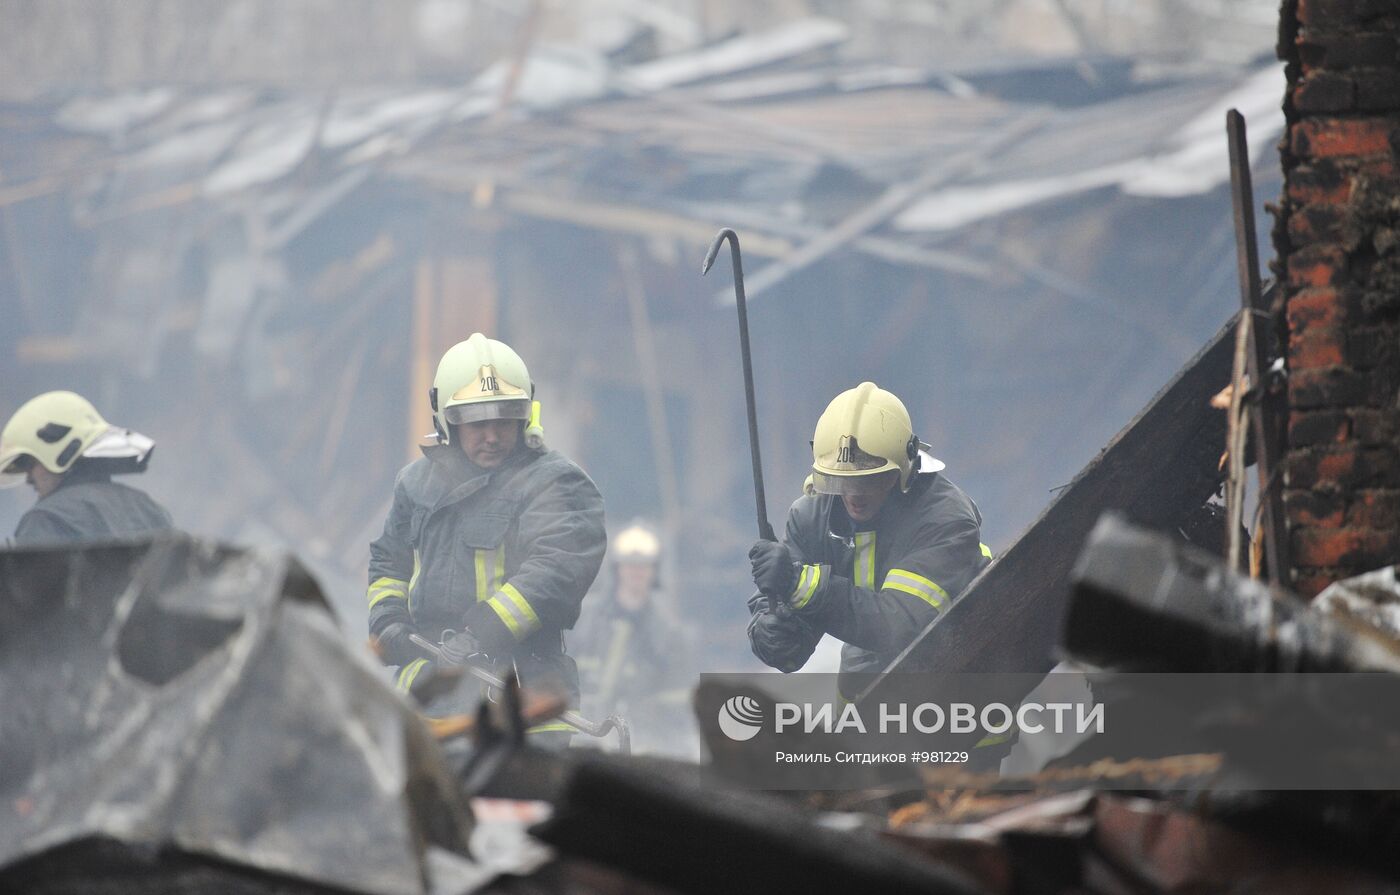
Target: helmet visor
{"x":14,"y":468}
{"x":854,"y":485}
{"x":513,"y":409}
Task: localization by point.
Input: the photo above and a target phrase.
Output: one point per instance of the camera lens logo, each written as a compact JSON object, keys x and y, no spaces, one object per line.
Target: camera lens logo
{"x":741,"y":718}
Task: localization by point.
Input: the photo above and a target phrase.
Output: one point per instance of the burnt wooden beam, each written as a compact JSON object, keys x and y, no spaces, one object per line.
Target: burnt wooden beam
{"x":1159,"y":469}
{"x":1143,"y":601}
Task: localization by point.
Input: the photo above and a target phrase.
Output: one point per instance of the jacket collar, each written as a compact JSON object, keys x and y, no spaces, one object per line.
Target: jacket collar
{"x":453,"y":477}
{"x":842,"y":526}
{"x":79,"y":473}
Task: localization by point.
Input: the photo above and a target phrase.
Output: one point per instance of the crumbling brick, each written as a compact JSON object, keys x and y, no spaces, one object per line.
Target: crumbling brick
{"x":1319,"y":267}
{"x":1316,"y":509}
{"x":1374,"y":346}
{"x":1315,"y":223}
{"x":1336,"y":137}
{"x":1302,"y":471}
{"x":1337,"y":235}
{"x":1342,"y":51}
{"x":1383,"y":303}
{"x":1345,"y":547}
{"x":1322,"y":182}
{"x":1316,"y":348}
{"x":1325,"y":91}
{"x":1317,"y":308}
{"x":1329,"y":387}
{"x":1344,"y":469}
{"x":1376,"y":509}
{"x":1318,"y":427}
{"x":1375,"y":427}
{"x":1376,"y":90}
{"x":1342,"y":13}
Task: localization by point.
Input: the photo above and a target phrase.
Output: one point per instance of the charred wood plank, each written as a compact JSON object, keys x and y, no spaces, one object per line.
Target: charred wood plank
{"x":1145,"y":602}
{"x":693,"y":838}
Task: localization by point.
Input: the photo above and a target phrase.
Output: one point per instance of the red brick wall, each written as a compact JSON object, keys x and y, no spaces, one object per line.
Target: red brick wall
{"x":1337,"y":238}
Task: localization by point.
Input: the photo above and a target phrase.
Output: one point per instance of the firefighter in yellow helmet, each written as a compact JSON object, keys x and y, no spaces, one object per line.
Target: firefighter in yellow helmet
{"x":881,"y":543}
{"x":61,"y":446}
{"x":633,"y":659}
{"x":490,"y":535}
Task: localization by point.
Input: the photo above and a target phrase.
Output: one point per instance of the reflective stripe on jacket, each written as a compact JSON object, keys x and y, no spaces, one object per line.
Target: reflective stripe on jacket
{"x":508,"y":553}
{"x":875,"y":588}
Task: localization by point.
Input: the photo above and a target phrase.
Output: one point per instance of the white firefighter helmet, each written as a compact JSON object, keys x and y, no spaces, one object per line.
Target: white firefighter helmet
{"x":55,"y":429}
{"x":863,"y":439}
{"x":483,"y":379}
{"x":636,"y":543}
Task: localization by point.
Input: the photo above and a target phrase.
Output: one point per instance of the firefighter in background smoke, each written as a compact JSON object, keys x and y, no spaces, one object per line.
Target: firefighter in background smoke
{"x":490,"y":536}
{"x":632,"y":659}
{"x":61,"y":446}
{"x":880,"y":544}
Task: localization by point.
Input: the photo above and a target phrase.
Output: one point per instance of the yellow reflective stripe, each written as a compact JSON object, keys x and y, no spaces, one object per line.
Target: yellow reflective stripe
{"x":908,"y":589}
{"x":376,"y":596}
{"x":383,"y":588}
{"x":484,"y":590}
{"x":807,"y":584}
{"x":520,"y":601}
{"x":864,"y":571}
{"x":986,"y":551}
{"x":490,"y":571}
{"x":553,"y":727}
{"x":515,"y":611}
{"x":992,"y":739}
{"x":505,"y":616}
{"x":413,"y":581}
{"x":912,"y":583}
{"x":408,"y":674}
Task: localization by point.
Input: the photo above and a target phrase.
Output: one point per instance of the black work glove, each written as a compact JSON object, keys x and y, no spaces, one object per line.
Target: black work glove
{"x":394,"y":646}
{"x":785,"y":643}
{"x":458,"y":648}
{"x":774,"y":569}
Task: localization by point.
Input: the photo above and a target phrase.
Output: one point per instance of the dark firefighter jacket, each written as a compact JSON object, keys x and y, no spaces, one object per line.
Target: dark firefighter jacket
{"x":87,"y":505}
{"x":876,"y":585}
{"x":507,"y":553}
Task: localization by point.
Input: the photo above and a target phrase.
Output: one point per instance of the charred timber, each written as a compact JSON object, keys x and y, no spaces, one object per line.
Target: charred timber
{"x":1145,"y":602}
{"x":697,"y":839}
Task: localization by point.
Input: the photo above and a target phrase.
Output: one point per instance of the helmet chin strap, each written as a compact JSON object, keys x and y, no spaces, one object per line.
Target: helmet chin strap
{"x":444,"y":433}
{"x":911,"y":451}
{"x":534,"y":431}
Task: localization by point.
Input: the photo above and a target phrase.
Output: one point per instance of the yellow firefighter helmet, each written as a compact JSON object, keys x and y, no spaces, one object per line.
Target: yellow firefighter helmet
{"x":483,"y":379}
{"x":56,"y":428}
{"x":863,"y":439}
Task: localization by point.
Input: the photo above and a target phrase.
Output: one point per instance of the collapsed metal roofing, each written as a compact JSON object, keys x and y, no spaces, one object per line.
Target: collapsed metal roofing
{"x":744,"y":128}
